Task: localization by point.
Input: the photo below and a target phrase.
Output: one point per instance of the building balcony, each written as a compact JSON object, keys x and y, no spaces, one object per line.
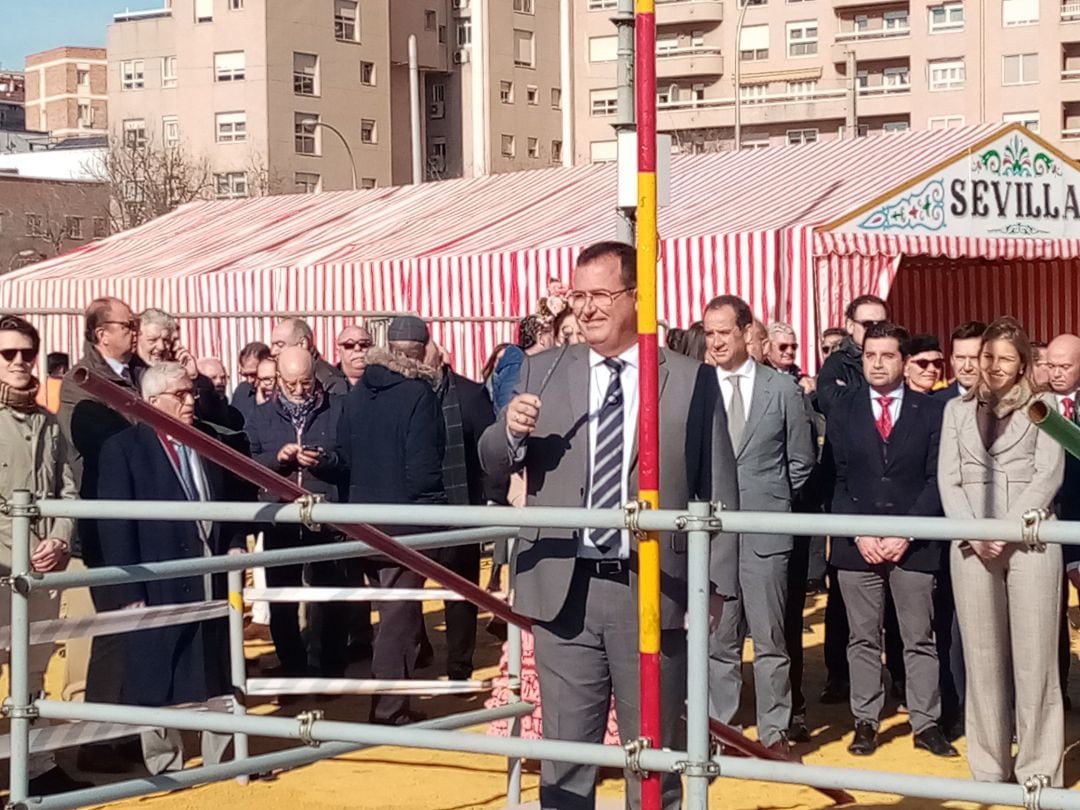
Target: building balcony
{"x":1070,"y":75}
{"x":1070,"y":12}
{"x":138,"y":16}
{"x":671,"y":64}
{"x":884,"y":100}
{"x":672,"y":12}
{"x":867,"y":46}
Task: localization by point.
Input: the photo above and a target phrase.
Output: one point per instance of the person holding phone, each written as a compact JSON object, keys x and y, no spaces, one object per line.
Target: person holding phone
{"x":288,"y":434}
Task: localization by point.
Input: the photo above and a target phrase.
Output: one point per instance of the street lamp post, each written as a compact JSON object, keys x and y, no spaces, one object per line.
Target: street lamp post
{"x":743,"y":5}
{"x":311,"y":122}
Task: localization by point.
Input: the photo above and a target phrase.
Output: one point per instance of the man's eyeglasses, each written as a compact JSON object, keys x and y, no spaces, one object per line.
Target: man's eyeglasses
{"x":28,"y":356}
{"x":129,"y":326}
{"x":868,"y":324}
{"x":602,"y":299}
{"x":352,"y":345}
{"x":788,"y":347}
{"x":182,"y":396}
{"x":924,"y":363}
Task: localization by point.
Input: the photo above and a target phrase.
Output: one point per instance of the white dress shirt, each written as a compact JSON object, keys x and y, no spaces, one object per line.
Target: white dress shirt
{"x":1061,"y":399}
{"x":746,"y":373}
{"x":599,"y":379}
{"x":897,"y":397}
{"x":116,"y":365}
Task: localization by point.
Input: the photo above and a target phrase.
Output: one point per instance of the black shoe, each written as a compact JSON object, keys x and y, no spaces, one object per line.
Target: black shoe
{"x":797,"y":731}
{"x":460,"y":674}
{"x":55,"y":780}
{"x":865,"y":742}
{"x":835,"y":693}
{"x":933,"y":740}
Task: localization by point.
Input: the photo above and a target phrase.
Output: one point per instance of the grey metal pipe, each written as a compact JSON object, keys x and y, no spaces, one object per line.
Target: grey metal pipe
{"x":414,"y":112}
{"x":237,"y":663}
{"x":19,"y":709}
{"x":263,"y":763}
{"x":625,"y":110}
{"x":661,"y":520}
{"x":697,"y":664}
{"x":513,"y":678}
{"x":117,"y":574}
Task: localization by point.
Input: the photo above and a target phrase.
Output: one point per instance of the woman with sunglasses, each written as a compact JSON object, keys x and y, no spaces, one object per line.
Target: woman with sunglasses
{"x":925,"y":367}
{"x":994,"y":463}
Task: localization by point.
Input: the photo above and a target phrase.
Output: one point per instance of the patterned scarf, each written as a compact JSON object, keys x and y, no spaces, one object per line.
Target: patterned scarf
{"x":300,"y":412}
{"x":20,"y":399}
{"x":455,"y":475}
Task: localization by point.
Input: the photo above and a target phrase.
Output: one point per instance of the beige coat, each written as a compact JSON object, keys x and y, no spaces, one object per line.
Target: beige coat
{"x":33,"y":456}
{"x":1022,"y":470}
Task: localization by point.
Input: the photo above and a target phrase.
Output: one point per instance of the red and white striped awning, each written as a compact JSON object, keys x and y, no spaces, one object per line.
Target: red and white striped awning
{"x":482,"y":248}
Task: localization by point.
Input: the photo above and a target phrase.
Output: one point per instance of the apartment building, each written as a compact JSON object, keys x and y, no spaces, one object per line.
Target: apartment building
{"x":12,"y":99}
{"x":66,"y":93}
{"x":945,"y":64}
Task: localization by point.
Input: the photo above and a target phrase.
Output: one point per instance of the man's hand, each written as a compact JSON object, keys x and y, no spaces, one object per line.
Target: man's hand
{"x":134,"y":605}
{"x":521,"y":415}
{"x":236,"y":551}
{"x":987,"y":549}
{"x":871,"y":550}
{"x":187,"y":360}
{"x":308,"y":458}
{"x":51,"y":554}
{"x":288,"y":453}
{"x":808,"y":385}
{"x":893,"y":549}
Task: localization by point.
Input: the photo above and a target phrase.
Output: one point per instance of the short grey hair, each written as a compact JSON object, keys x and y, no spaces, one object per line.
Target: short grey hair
{"x":155,"y":380}
{"x":780,"y":328}
{"x":159,"y":317}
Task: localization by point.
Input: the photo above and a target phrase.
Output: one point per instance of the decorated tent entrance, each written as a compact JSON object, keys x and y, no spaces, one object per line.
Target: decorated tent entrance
{"x":794,"y":230}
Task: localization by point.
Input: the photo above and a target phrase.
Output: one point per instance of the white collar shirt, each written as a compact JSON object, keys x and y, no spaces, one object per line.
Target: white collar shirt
{"x":747,"y":374}
{"x":896,"y":400}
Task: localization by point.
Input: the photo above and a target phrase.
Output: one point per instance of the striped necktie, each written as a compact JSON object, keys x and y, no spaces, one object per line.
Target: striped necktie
{"x":607,"y":468}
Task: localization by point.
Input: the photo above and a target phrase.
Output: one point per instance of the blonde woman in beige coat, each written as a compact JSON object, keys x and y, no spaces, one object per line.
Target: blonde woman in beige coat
{"x":994,"y":463}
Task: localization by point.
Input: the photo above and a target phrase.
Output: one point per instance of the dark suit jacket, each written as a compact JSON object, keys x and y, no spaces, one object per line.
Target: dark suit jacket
{"x":177,"y":663}
{"x":477,"y":414}
{"x":950,"y":392}
{"x":894,"y":477}
{"x":556,"y":460}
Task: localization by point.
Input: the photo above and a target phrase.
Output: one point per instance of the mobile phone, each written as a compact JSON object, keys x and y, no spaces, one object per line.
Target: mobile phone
{"x":312,"y":448}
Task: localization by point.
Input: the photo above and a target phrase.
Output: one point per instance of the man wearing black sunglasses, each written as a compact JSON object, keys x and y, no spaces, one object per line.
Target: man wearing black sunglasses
{"x":353,"y":343}
{"x":842,"y":371}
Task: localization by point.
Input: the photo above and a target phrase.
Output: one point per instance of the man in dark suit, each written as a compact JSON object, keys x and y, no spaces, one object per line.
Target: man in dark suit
{"x":884,"y":459}
{"x":243,"y":398}
{"x":186,"y":662}
{"x":966,"y":344}
{"x":572,"y":429}
{"x":769,"y":427}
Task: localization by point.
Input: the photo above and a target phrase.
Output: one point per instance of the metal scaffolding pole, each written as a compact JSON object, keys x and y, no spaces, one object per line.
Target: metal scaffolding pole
{"x":699,"y":768}
{"x":238,"y":663}
{"x":20,"y":709}
{"x":625,"y":119}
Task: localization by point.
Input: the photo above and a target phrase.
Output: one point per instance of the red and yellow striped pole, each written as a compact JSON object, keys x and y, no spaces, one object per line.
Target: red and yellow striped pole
{"x":649,"y":389}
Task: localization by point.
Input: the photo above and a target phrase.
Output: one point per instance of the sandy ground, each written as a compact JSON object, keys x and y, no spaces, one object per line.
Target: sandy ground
{"x":434,"y":780}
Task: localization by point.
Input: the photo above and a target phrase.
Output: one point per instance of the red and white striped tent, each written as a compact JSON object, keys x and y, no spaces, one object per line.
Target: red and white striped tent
{"x":768,"y":225}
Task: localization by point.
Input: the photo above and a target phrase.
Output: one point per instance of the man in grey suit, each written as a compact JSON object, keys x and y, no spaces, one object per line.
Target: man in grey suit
{"x":572,"y":428}
{"x":770,"y":431}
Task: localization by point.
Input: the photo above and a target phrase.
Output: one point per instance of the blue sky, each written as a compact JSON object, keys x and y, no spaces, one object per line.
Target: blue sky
{"x":36,"y":25}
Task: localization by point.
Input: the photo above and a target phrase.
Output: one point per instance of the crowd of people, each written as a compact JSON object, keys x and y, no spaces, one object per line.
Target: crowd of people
{"x":969,"y":637}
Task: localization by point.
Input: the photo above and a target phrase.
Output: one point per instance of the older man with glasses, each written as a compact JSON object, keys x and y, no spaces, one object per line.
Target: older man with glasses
{"x":353,"y":343}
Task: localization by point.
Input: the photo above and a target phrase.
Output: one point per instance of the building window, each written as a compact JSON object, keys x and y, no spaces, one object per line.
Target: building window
{"x":802,"y":38}
{"x":754,"y":43}
{"x":697,"y":39}
{"x":1020,"y":68}
{"x":367,"y":73}
{"x":431,"y":20}
{"x":524,"y":55}
{"x":231,"y":127}
{"x":602,"y":5}
{"x":1019,"y":12}
{"x":753,"y":93}
{"x":73,"y":227}
{"x":862,"y":79}
{"x":229,"y":185}
{"x":464,"y":33}
{"x":754,"y":140}
{"x":101,"y":230}
{"x":603,"y":102}
{"x":795,"y":136}
{"x":135,"y":133}
{"x":532,"y":95}
{"x":82,"y":76}
{"x":506,"y":92}
{"x":229,"y":66}
{"x":945,"y":121}
{"x":896,"y":77}
{"x":438,"y":101}
{"x":442,"y":34}
{"x":204,"y":11}
{"x":533,"y":147}
{"x":947,"y":74}
{"x":666,"y":44}
{"x":34,"y":226}
{"x":367,"y":130}
{"x":895,"y":126}
{"x":556,"y":151}
{"x":603,"y":151}
{"x":86,"y":114}
{"x":367,"y":182}
{"x":236,"y":5}
{"x":437,"y":156}
{"x":802,"y":89}
{"x":168,"y":71}
{"x":346,"y":27}
{"x":170,"y":131}
{"x":1027,"y":119}
{"x":897,"y":20}
{"x":507,"y":146}
{"x":946,"y":17}
{"x":306,"y":182}
{"x":305,"y":126}
{"x":305,"y":74}
{"x":132,"y":75}
{"x":603,"y":49}
{"x":556,"y":98}
{"x":523,"y":6}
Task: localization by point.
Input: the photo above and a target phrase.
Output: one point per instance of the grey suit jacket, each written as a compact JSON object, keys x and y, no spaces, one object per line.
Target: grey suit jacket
{"x":1022,"y":470}
{"x":556,"y":462}
{"x":776,"y":453}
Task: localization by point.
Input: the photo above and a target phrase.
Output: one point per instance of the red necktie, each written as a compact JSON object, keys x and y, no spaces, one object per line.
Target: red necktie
{"x":1068,"y":409}
{"x":884,"y":421}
